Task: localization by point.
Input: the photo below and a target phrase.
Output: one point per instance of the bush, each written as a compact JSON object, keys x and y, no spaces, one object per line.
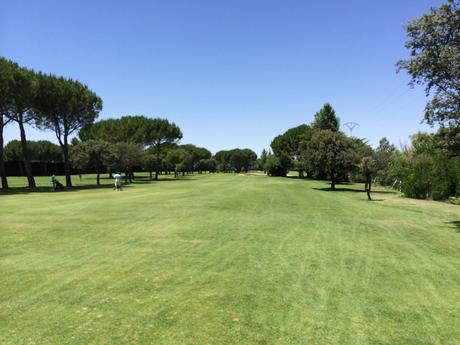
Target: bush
{"x":276,"y":166}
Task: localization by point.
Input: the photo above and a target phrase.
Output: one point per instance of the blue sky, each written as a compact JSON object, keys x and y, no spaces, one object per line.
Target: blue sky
{"x":229,"y":73}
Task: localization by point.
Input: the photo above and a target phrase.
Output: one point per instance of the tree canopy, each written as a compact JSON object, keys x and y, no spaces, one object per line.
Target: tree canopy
{"x":332,"y":151}
{"x":434,"y":45}
{"x":326,"y":119}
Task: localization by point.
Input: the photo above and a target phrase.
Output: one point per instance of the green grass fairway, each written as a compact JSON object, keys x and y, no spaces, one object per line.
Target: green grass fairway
{"x":227,"y":259}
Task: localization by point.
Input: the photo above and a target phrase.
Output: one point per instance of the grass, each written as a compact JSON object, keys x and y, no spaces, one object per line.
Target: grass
{"x":227,"y":259}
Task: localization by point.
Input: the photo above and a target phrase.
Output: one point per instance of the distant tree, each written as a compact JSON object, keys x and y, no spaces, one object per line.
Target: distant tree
{"x":434,"y":44}
{"x":22,"y":86}
{"x":197,"y":154}
{"x":64,"y":106}
{"x":288,"y":145}
{"x":206,"y":165}
{"x":149,"y":162}
{"x":45,"y":151}
{"x":332,"y":151}
{"x":242,"y":159}
{"x":223,"y":160}
{"x":178,"y":159}
{"x":125,"y":157}
{"x":13,"y":152}
{"x":277,"y":165}
{"x":39,"y":151}
{"x":160,"y":133}
{"x":91,"y":154}
{"x":263,"y":159}
{"x":326,"y":119}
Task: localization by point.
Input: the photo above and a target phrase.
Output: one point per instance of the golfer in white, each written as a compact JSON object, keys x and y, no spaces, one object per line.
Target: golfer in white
{"x":117,"y":178}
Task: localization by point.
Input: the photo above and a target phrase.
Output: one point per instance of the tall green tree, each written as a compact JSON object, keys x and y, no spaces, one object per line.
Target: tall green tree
{"x":326,"y":119}
{"x":22,"y":95}
{"x":434,"y":45}
{"x":332,"y":151}
{"x":64,"y":106}
{"x":5,"y":104}
{"x":160,"y":133}
{"x":287,"y":145}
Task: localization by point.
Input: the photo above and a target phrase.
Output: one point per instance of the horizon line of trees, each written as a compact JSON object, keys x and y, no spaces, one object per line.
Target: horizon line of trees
{"x":68,"y":107}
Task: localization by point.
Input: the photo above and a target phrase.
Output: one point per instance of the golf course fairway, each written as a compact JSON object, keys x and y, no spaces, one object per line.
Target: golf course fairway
{"x":227,"y":259}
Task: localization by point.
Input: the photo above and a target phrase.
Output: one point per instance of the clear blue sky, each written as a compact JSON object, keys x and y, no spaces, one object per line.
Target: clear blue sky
{"x":229,"y":73}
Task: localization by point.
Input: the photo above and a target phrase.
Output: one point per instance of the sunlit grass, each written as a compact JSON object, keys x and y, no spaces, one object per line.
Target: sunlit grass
{"x":226,"y":259}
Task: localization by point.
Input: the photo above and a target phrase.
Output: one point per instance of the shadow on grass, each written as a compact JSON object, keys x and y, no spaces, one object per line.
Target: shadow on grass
{"x":25,"y":190}
{"x":455,"y":224}
{"x":353,"y":190}
{"x":145,"y":180}
{"x":48,"y":189}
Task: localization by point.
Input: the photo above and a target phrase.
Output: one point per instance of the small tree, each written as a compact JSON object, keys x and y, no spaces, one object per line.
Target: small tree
{"x":368,"y":168}
{"x":333,"y":152}
{"x":160,"y":133}
{"x":91,"y":154}
{"x":276,"y":166}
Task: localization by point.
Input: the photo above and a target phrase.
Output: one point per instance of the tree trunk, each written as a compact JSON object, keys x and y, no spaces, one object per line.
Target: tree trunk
{"x":25,"y":154}
{"x":151,"y":175}
{"x":333,"y":180}
{"x":21,"y":168}
{"x":65,"y":151}
{"x":98,"y":177}
{"x":126,"y":176}
{"x":157,"y":165}
{"x":368,"y":187}
{"x":2,"y":160}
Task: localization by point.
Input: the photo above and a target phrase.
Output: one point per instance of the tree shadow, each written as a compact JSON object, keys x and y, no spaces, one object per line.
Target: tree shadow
{"x":26,"y":190}
{"x":455,"y":224}
{"x":352,"y":190}
{"x":142,"y":180}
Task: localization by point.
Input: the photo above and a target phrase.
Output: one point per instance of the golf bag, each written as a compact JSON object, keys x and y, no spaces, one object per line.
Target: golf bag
{"x":59,"y":185}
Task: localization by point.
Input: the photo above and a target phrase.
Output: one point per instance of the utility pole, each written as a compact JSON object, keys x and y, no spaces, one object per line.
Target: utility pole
{"x":351,"y":126}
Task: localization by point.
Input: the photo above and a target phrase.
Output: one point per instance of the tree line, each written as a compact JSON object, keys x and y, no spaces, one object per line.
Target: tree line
{"x":49,"y":102}
{"x":430,"y":166}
